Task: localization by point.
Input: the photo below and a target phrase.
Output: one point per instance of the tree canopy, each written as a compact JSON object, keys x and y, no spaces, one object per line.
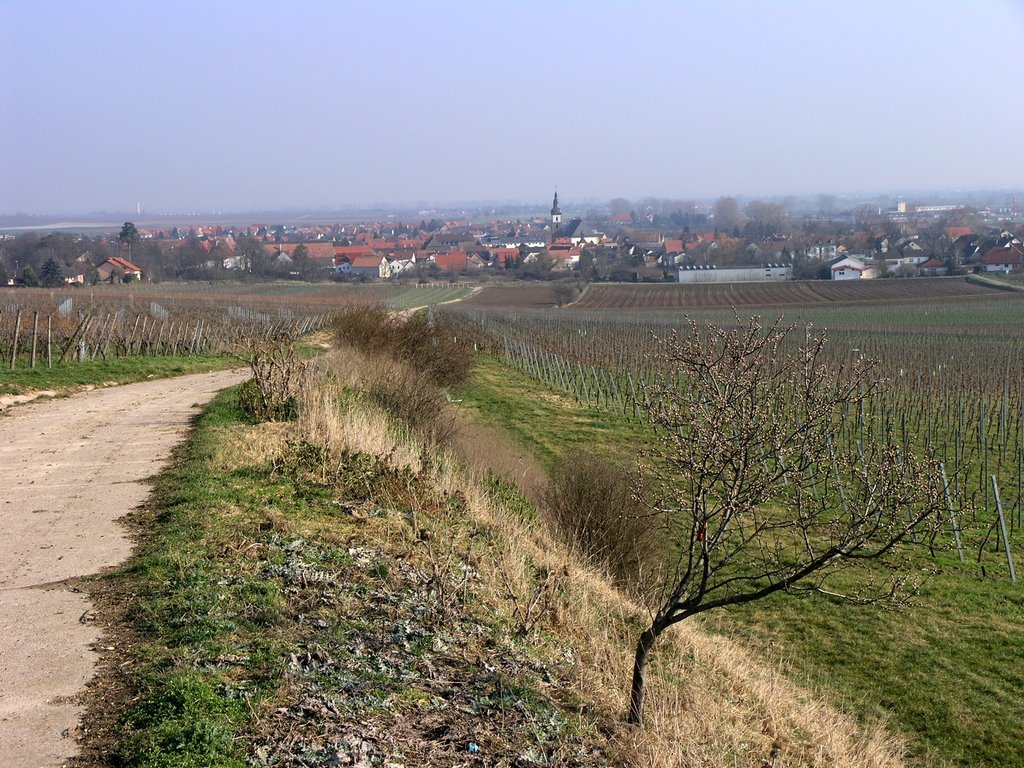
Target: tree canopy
{"x":129,"y":234}
{"x":51,"y":275}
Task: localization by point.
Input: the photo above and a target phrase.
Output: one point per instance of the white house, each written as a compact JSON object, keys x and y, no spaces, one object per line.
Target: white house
{"x":852,"y":268}
{"x":1009,"y":258}
{"x":820,"y":250}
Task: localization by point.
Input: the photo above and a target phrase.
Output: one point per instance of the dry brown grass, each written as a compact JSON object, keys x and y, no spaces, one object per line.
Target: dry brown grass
{"x":327,"y":418}
{"x":404,"y":392}
{"x":709,"y":702}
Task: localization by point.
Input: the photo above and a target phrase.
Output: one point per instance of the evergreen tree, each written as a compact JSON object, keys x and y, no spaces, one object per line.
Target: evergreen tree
{"x":51,"y":274}
{"x":129,"y":234}
{"x":29,"y":277}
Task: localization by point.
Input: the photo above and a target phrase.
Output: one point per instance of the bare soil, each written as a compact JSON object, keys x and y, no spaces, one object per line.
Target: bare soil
{"x":70,"y":468}
{"x":784,"y":293}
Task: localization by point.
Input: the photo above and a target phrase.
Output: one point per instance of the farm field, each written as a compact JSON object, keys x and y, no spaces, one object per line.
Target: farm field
{"x":511,"y":296}
{"x":789,"y":293}
{"x":951,"y":384}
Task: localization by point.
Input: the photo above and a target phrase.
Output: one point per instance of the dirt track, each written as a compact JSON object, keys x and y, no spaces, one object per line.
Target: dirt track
{"x":69,"y":468}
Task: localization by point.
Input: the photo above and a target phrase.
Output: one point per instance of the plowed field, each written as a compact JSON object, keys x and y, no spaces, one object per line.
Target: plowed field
{"x":795,"y":293}
{"x":514,"y":296}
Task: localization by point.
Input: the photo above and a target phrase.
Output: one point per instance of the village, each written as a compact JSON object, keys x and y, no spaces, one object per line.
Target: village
{"x":655,"y":241}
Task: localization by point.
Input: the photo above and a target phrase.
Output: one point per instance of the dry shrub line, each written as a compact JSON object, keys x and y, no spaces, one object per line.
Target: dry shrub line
{"x":409,"y":364}
{"x":590,"y":505}
{"x":427,"y":341}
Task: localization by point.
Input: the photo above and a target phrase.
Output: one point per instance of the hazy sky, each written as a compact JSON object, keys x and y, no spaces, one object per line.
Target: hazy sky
{"x":242,"y":104}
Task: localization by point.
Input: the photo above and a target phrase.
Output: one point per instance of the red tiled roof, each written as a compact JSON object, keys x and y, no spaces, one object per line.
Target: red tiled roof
{"x":342,"y":252}
{"x":314,"y":250}
{"x":954,"y":232}
{"x":501,"y":256}
{"x":454,"y":261}
{"x":117,"y":261}
{"x":564,"y":254}
{"x":1010,"y":254}
{"x":365,"y":262}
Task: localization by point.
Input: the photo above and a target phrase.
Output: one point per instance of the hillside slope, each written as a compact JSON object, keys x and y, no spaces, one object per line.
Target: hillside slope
{"x":331,"y":592}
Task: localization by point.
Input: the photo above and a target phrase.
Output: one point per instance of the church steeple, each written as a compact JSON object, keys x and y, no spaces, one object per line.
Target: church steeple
{"x":556,"y":216}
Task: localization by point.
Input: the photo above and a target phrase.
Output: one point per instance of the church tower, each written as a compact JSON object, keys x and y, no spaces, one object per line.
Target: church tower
{"x":556,"y":217}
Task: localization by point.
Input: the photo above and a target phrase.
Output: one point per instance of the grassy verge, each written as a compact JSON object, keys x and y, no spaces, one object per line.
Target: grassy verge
{"x":549,"y":424}
{"x":98,"y":372}
{"x":291,"y":607}
{"x":994,"y":282}
{"x":422,"y":296}
{"x":943,"y":672}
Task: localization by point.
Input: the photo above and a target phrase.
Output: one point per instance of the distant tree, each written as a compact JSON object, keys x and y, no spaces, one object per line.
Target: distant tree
{"x":538,"y":268}
{"x":29,"y":277}
{"x":128,"y":237}
{"x":301,"y":262}
{"x":151,"y":259}
{"x":586,"y":267}
{"x":51,"y":275}
{"x":727,"y":214}
{"x":826,"y":204}
{"x":756,"y":491}
{"x":116,"y":275}
{"x":620,"y":206}
{"x":764,"y":219}
{"x":867,"y":217}
{"x":252,"y":256}
{"x":92,"y":276}
{"x":564,"y":293}
{"x":129,"y":234}
{"x":811,"y":269}
{"x":3,"y":274}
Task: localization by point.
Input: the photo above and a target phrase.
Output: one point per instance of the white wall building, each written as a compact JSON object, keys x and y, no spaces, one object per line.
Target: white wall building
{"x":712,"y":274}
{"x":852,"y":268}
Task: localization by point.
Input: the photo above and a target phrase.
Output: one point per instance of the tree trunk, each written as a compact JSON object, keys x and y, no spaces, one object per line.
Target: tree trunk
{"x":636,"y":692}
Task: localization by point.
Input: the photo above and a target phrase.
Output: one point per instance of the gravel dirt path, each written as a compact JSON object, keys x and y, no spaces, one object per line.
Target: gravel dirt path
{"x":69,"y":468}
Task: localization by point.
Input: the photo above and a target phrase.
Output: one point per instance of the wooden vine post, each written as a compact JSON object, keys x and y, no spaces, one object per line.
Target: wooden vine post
{"x":14,"y":344}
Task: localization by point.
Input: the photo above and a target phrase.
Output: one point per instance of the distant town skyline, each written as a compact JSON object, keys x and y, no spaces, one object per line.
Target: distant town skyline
{"x":235,"y":106}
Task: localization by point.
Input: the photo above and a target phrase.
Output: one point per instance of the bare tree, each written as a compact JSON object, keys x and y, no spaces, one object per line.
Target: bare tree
{"x":759,"y":484}
{"x":727,"y":214}
{"x":764,"y":218}
{"x":620,"y":206}
{"x":564,"y":293}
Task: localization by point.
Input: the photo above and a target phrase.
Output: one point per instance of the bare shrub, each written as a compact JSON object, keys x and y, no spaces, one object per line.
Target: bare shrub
{"x":429,"y":342}
{"x":271,"y":393}
{"x":368,"y":329}
{"x":590,"y":504}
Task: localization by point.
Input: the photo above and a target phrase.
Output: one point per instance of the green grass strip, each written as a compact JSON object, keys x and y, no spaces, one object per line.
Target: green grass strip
{"x":123,"y":370}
